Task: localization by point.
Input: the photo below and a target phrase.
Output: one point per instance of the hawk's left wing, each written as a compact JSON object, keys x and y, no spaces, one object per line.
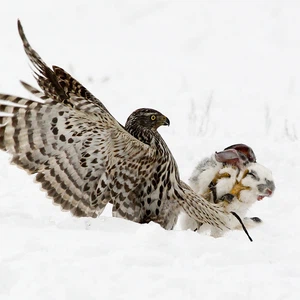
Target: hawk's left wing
{"x":82,"y":156}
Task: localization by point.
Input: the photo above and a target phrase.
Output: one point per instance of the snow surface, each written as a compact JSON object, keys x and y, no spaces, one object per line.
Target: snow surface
{"x":224,"y":73}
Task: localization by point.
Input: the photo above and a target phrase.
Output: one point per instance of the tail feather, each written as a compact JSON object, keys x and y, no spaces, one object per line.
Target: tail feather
{"x":205,"y":212}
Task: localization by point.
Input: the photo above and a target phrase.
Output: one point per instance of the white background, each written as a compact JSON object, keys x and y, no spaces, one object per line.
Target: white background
{"x":223,"y":72}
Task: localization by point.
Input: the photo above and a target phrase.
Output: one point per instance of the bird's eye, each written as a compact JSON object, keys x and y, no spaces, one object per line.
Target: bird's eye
{"x":153,"y":117}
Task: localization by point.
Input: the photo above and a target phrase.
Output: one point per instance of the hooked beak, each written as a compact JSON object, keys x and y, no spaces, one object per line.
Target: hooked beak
{"x":163,"y":120}
{"x":167,"y":122}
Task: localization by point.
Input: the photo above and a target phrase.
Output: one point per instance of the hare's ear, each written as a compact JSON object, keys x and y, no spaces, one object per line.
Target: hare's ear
{"x":244,"y":150}
{"x":230,"y":156}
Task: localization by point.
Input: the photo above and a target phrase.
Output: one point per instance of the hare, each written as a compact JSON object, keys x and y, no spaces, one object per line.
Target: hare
{"x":233,"y":178}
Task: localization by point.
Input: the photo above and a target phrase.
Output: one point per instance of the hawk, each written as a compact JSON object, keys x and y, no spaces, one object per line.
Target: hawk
{"x":83,"y":158}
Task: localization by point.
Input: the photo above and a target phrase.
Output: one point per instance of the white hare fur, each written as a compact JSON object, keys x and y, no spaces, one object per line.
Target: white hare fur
{"x":248,"y":184}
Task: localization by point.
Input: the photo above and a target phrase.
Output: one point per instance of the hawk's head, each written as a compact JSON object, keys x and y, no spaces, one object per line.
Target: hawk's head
{"x":147,"y":118}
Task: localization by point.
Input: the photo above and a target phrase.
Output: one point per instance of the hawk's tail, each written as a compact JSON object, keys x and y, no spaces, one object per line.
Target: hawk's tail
{"x":204,"y":211}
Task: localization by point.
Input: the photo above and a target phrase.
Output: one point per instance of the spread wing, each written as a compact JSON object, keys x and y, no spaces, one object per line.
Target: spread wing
{"x":82,"y":156}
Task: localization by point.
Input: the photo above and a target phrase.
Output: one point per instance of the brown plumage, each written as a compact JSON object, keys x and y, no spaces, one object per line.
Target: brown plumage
{"x":84,"y":158}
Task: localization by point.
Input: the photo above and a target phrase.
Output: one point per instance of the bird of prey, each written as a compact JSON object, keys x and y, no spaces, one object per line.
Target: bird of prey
{"x":83,"y":158}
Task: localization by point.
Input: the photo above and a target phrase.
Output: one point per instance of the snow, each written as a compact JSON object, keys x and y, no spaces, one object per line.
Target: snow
{"x":224,"y":73}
